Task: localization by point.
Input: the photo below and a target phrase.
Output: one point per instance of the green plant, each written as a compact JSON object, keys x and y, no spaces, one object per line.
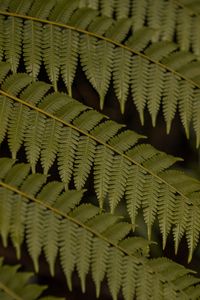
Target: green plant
{"x":137,"y":45}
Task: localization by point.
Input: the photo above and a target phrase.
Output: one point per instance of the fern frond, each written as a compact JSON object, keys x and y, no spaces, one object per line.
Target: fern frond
{"x":170,"y":99}
{"x":121,"y":167}
{"x":168,"y":20}
{"x":32,"y":47}
{"x":139,"y":84}
{"x":15,"y":284}
{"x":183,"y":29}
{"x":155,"y":91}
{"x":138,"y":13}
{"x":121,"y":75}
{"x":69,"y":57}
{"x":99,"y":40}
{"x":53,"y":221}
{"x":154,"y":15}
{"x":52,"y":41}
{"x":13,"y":39}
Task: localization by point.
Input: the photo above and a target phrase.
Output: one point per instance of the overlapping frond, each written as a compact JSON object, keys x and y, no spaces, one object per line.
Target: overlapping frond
{"x":138,"y":56}
{"x":53,"y":220}
{"x":16,"y":285}
{"x":57,"y":127}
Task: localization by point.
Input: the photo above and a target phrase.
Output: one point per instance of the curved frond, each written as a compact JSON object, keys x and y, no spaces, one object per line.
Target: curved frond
{"x":84,"y":238}
{"x":57,"y":33}
{"x":121,"y":167}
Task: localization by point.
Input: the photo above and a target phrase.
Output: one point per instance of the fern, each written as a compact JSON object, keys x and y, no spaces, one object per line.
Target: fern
{"x":99,"y":40}
{"x":16,"y":285}
{"x":53,"y":218}
{"x":121,"y":167}
{"x":146,"y":51}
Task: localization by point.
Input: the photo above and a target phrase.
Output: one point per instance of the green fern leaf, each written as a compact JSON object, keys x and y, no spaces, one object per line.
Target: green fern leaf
{"x":50,"y":143}
{"x":168,"y":20}
{"x":117,"y":184}
{"x":69,"y":57}
{"x":13,"y":38}
{"x":102,"y":166}
{"x":121,"y":75}
{"x":154,"y":15}
{"x":103,"y":221}
{"x":82,"y":17}
{"x":119,"y":30}
{"x":129,"y":278}
{"x":180,"y":215}
{"x":84,"y":212}
{"x":103,"y":227}
{"x":100,"y":25}
{"x":107,"y":7}
{"x":68,"y":236}
{"x":16,"y":82}
{"x":83,"y":161}
{"x":2,"y":46}
{"x":99,"y":262}
{"x":185,"y":105}
{"x":144,"y":282}
{"x":5,"y":214}
{"x":31,"y":185}
{"x":35,"y":216}
{"x":66,"y":153}
{"x":117,"y":231}
{"x":140,"y":38}
{"x":166,"y":207}
{"x":54,"y":108}
{"x":155,"y":91}
{"x":51,"y":238}
{"x":159,"y":50}
{"x":17,"y":174}
{"x":17,"y":127}
{"x":196,"y":117}
{"x":51,"y":52}
{"x":63,"y":10}
{"x":139,"y":84}
{"x":41,"y":9}
{"x":192,"y":231}
{"x":5,"y":68}
{"x":114,"y":272}
{"x":178,"y":59}
{"x":97,"y":70}
{"x":160,"y":162}
{"x":170,"y":98}
{"x":32,"y":47}
{"x":33,"y":138}
{"x":135,"y":245}
{"x":150,"y":202}
{"x":5,"y":111}
{"x":73,"y":199}
{"x":83,"y":255}
{"x":106,"y":130}
{"x":88,"y":120}
{"x":16,"y":285}
{"x":134,"y":192}
{"x":138,"y":13}
{"x":6,"y":164}
{"x":183,"y":29}
{"x":195,"y":36}
{"x":122,"y":9}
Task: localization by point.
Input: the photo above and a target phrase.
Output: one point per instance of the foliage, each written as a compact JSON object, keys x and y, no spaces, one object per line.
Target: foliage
{"x":141,"y":47}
